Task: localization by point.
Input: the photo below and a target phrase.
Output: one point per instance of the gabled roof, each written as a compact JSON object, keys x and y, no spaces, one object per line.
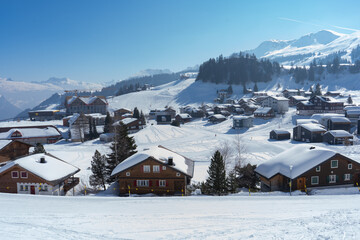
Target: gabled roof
{"x":279,"y":98}
{"x":299,"y":98}
{"x":340,"y":120}
{"x":86,"y":100}
{"x":160,"y":154}
{"x":4,"y":143}
{"x":262,"y":110}
{"x":313,"y":127}
{"x":53,"y":170}
{"x":304,"y":121}
{"x":301,"y":157}
{"x":218,"y":116}
{"x":31,"y":132}
{"x":184,"y":116}
{"x":280,"y":131}
{"x":339,"y":133}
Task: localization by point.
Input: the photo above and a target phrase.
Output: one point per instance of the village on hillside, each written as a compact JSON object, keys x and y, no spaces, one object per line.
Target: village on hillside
{"x":324,"y":119}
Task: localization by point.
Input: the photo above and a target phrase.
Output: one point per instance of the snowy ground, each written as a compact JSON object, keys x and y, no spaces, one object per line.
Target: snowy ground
{"x":198,"y":217}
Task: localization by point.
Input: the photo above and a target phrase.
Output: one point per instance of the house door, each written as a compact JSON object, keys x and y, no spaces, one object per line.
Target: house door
{"x":301,"y":183}
{"x":178,"y":186}
{"x":32,"y":189}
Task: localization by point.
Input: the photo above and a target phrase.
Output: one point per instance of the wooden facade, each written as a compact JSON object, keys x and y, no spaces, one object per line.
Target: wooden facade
{"x":301,"y":133}
{"x":13,"y":150}
{"x":279,"y":135}
{"x":346,"y":173}
{"x":162,"y":179}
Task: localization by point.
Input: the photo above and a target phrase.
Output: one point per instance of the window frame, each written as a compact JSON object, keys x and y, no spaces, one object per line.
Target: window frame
{"x":317,"y":180}
{"x":330,"y":178}
{"x":127,"y":174}
{"x":156,"y":168}
{"x":347,"y":177}
{"x":146,"y":168}
{"x":26,"y":174}
{"x":162,"y":183}
{"x":349,"y":166}
{"x":333,"y":161}
{"x":12,"y":174}
{"x":178,"y":174}
{"x":318,"y":169}
{"x":142,"y":183}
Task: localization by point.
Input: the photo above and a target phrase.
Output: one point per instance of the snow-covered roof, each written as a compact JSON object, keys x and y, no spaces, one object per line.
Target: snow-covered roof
{"x":71,"y":100}
{"x":4,"y":143}
{"x":339,"y":133}
{"x":126,"y":121}
{"x":280,"y":131}
{"x":279,"y":98}
{"x":52,"y":170}
{"x":299,"y":98}
{"x":218,"y":116}
{"x":348,"y":108}
{"x":301,"y":157}
{"x":353,"y":112}
{"x":86,"y":100}
{"x":31,"y":132}
{"x":262,"y":110}
{"x":73,"y":118}
{"x":184,"y":115}
{"x":313,"y":127}
{"x":328,"y":99}
{"x":161,"y":154}
{"x":340,"y":120}
{"x":241,"y":117}
{"x":293,"y":90}
{"x":304,"y":121}
{"x":321,"y":116}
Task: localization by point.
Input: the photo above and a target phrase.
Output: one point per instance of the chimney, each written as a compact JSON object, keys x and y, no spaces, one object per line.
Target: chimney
{"x":170,"y":161}
{"x":42,"y":160}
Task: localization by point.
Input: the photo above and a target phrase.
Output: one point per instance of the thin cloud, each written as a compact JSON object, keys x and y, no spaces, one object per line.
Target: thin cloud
{"x":294,"y":20}
{"x":349,"y":29}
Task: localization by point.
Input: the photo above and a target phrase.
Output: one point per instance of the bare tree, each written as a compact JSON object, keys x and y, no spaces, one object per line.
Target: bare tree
{"x":239,"y":150}
{"x":226,"y":152}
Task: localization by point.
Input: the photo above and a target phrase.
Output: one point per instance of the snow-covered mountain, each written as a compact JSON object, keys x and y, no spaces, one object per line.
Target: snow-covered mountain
{"x":150,"y":72}
{"x":303,"y":50}
{"x":7,"y":110}
{"x":69,"y":84}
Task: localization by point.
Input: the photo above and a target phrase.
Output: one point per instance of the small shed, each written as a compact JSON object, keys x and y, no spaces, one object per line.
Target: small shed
{"x":183,"y":118}
{"x":279,"y":134}
{"x":217,"y":118}
{"x":242,"y":122}
{"x":264,"y":112}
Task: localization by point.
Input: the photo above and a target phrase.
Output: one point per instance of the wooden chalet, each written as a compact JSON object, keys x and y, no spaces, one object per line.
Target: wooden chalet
{"x":264,"y":112}
{"x":293,"y":92}
{"x":320,"y":104}
{"x":294,"y":100}
{"x":183,"y":118}
{"x":164,"y":118}
{"x":154,"y":170}
{"x":309,"y":132}
{"x":242,"y":122}
{"x":31,"y":134}
{"x":278,"y":134}
{"x":119,"y":113}
{"x":339,"y":123}
{"x":217,"y":118}
{"x":305,"y":166}
{"x":40,"y":173}
{"x":338,"y":137}
{"x":10,"y":150}
{"x":133,"y":124}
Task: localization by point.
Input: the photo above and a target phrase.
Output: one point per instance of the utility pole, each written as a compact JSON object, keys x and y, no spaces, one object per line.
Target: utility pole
{"x":291,"y":166}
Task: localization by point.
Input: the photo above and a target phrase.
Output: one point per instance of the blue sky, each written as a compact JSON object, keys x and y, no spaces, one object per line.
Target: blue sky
{"x":99,"y":41}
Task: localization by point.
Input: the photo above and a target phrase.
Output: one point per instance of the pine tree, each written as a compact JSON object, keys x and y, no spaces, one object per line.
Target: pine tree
{"x":318,"y":90}
{"x":217,"y":181}
{"x":95,"y":132}
{"x":136,"y":113}
{"x":91,"y":133}
{"x":230,"y":90}
{"x":256,"y":89}
{"x":39,"y":148}
{"x":245,"y":176}
{"x":349,"y":100}
{"x":108,"y":123}
{"x":99,"y":174}
{"x":142,"y":118}
{"x":122,"y":147}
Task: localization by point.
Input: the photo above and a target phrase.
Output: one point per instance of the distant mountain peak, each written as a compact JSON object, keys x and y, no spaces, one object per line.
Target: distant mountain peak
{"x":151,"y":72}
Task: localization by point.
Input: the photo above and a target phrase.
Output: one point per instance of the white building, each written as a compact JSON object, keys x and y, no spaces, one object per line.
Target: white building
{"x":278,"y":104}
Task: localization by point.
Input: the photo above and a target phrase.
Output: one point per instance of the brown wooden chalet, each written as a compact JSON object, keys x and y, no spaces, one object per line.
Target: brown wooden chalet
{"x":119,"y":113}
{"x":278,"y":134}
{"x":133,"y":124}
{"x":320,"y":104}
{"x":10,"y":150}
{"x":40,"y":173}
{"x":293,"y":92}
{"x":155,"y":170}
{"x":339,"y":123}
{"x":264,"y":112}
{"x":338,"y":137}
{"x":183,"y":118}
{"x":86,"y":104}
{"x":309,"y":132}
{"x":308,"y":167}
{"x":294,"y":100}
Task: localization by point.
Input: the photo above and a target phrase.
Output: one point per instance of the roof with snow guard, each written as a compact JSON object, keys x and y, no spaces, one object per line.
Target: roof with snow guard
{"x":301,"y":157}
{"x":262,"y":110}
{"x":53,"y":170}
{"x":340,"y":120}
{"x":313,"y":127}
{"x":161,"y":154}
{"x":340,"y":133}
{"x":31,"y":132}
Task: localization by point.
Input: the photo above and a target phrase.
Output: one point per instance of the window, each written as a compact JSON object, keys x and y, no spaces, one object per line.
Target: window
{"x":15,"y":174}
{"x":142,"y":183}
{"x":163,"y":168}
{"x":318,"y":169}
{"x":24,"y":174}
{"x":350,"y":166}
{"x":178,"y":174}
{"x":334,"y":164}
{"x":128,"y":174}
{"x":332,"y":178}
{"x":146,"y":168}
{"x":21,"y":187}
{"x":314,"y":180}
{"x":156,"y":168}
{"x":162,"y":183}
{"x":347,"y":177}
{"x":26,"y":188}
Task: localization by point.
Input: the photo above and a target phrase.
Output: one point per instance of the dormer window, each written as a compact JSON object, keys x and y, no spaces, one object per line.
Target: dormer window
{"x":16,"y":134}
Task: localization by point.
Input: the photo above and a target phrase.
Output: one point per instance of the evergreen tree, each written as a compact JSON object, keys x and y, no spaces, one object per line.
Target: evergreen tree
{"x":311,"y":91}
{"x":217,"y":181}
{"x":349,"y":100}
{"x":39,"y":148}
{"x":256,"y":89}
{"x":142,"y":118}
{"x":108,"y":123}
{"x":136,"y":113}
{"x":175,"y":123}
{"x":230,"y":90}
{"x":318,"y":90}
{"x":99,"y":174}
{"x":122,"y":147}
{"x":91,"y":133}
{"x":95,"y":132}
{"x":245,"y":177}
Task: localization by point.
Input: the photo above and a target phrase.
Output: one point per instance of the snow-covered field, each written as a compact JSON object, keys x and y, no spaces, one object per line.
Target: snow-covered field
{"x":198,"y":217}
